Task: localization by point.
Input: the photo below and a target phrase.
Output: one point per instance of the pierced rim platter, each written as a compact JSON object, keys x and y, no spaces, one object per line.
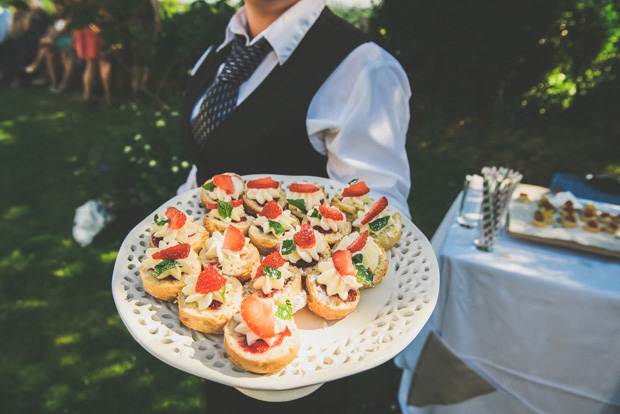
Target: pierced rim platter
{"x":386,"y":320}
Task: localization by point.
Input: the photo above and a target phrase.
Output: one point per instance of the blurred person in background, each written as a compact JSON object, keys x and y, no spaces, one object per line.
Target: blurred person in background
{"x":14,"y":55}
{"x":38,"y":27}
{"x":89,"y":46}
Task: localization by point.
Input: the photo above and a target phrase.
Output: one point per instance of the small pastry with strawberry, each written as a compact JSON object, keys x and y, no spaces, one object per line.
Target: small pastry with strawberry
{"x":225,"y":187}
{"x":569,"y":220}
{"x":592,"y":226}
{"x":567,"y":208}
{"x":538,"y":219}
{"x":209,"y":300}
{"x":383,"y":225}
{"x":302,"y":198}
{"x":355,"y":197}
{"x":269,"y":227}
{"x":230,"y":252}
{"x":370,"y":259}
{"x":304,"y":248}
{"x":330,"y":222}
{"x":260,"y":191}
{"x":276,"y":279}
{"x":176,"y":225}
{"x":262,"y":337}
{"x":334,"y":293}
{"x":588,"y":213}
{"x":224,"y":213}
{"x":610,"y":228}
{"x":605,"y":217}
{"x":523,"y":198}
{"x":546,"y":208}
{"x":163,"y":271}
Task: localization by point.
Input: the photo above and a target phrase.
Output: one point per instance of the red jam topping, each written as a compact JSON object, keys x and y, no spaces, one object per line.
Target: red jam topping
{"x":261,"y":346}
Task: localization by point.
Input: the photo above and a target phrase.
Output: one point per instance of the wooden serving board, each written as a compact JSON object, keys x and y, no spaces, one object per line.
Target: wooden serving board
{"x":519,"y":225}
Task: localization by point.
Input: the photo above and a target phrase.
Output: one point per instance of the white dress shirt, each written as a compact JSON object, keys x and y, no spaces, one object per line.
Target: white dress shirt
{"x":358,"y":117}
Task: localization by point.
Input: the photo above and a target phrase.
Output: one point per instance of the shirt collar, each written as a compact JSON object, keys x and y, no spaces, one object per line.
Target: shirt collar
{"x":285,"y":33}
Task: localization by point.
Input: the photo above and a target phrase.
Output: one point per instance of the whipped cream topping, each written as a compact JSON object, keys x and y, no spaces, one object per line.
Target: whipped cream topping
{"x":235,"y":216}
{"x":335,"y":283}
{"x":326,"y":223}
{"x":263,"y":195}
{"x":218,"y":194}
{"x":268,"y":284}
{"x":250,"y":335}
{"x":189,"y":266}
{"x":362,"y":213}
{"x":358,"y":203}
{"x":203,"y":301}
{"x":307,"y":255}
{"x":228,"y":259}
{"x":371,"y":252}
{"x":311,"y":199}
{"x":286,"y":220}
{"x":191,"y":232}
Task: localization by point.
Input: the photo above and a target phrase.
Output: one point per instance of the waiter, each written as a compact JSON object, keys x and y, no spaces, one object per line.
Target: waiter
{"x":295,"y":90}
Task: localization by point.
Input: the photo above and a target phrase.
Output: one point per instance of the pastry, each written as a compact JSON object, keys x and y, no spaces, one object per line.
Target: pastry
{"x":330,"y":222}
{"x":370,"y":259}
{"x":262,"y":338}
{"x":304,"y":248}
{"x":592,"y":226}
{"x":269,"y":227}
{"x":588,"y":213}
{"x":538,"y":219}
{"x":230,"y":252}
{"x":225,"y":187}
{"x":611,"y":227}
{"x":209,"y":300}
{"x":567,"y":208}
{"x":224,"y":213}
{"x":383,"y":225}
{"x":176,"y":225}
{"x":259,"y":192}
{"x":605,"y":217}
{"x":523,"y":198}
{"x":333,"y":293}
{"x":164,"y":269}
{"x":278,"y":280}
{"x":301,"y":198}
{"x":569,"y":220}
{"x":353,"y":198}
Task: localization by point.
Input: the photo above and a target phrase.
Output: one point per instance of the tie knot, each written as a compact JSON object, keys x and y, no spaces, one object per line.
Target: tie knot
{"x":243,"y":60}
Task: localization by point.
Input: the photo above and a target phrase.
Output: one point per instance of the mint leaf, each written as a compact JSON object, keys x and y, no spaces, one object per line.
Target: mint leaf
{"x":223,"y":291}
{"x":272,"y":272}
{"x":224,"y":209}
{"x":160,"y":222}
{"x":297,"y":202}
{"x":353,"y":181}
{"x":316,"y":214}
{"x":288,"y":247}
{"x":378,"y":224}
{"x":285,"y":310}
{"x":357,"y":258}
{"x":277,"y":227}
{"x":165,"y":265}
{"x":364,"y":276}
{"x":209,"y":186}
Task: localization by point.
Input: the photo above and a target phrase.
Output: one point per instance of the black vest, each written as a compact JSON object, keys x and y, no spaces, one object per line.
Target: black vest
{"x":267,"y":133}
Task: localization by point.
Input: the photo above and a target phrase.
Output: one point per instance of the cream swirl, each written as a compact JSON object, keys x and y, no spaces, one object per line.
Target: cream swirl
{"x":191,"y":232}
{"x":286,"y":220}
{"x":203,"y":301}
{"x":189,"y":266}
{"x":228,"y":259}
{"x":359,"y":203}
{"x":219,"y":194}
{"x":310,"y":199}
{"x":371,"y":252}
{"x":263,"y":195}
{"x":235,"y":216}
{"x":268,"y":284}
{"x":251,"y":336}
{"x":334,"y":282}
{"x":326,"y":223}
{"x":363,"y":227}
{"x":307,"y":255}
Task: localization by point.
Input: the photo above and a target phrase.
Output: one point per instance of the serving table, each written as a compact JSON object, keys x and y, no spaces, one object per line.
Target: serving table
{"x":536,"y":325}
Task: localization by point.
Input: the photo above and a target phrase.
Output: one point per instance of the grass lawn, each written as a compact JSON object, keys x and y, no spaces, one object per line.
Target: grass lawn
{"x":64,"y":347}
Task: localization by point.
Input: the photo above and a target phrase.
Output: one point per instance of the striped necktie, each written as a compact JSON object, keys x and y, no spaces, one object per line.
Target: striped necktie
{"x":221,"y":97}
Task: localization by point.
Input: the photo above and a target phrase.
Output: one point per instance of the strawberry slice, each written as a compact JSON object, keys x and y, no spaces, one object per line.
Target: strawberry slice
{"x":305,"y":238}
{"x":210,"y":280}
{"x":359,"y":243}
{"x":177,"y":218}
{"x":344,"y":263}
{"x":234,"y":240}
{"x":273,"y":260}
{"x":271,"y":210}
{"x":213,"y":206}
{"x":225,"y":183}
{"x":331,"y":213}
{"x":356,"y":190}
{"x":259,"y":315}
{"x":180,"y":251}
{"x":303,"y":188}
{"x":266,"y":182}
{"x":374,"y":211}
